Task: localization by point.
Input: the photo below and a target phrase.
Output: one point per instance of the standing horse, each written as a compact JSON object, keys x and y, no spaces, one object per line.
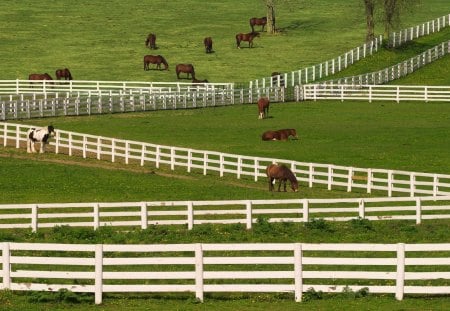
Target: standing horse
{"x":186,"y":68}
{"x":151,"y":41}
{"x":263,"y":107}
{"x":283,"y":134}
{"x":39,"y":76}
{"x":258,"y":21}
{"x":63,"y":73}
{"x":208,"y":44}
{"x":41,"y":135}
{"x":246,"y":37}
{"x":282,"y":174}
{"x":155,"y":59}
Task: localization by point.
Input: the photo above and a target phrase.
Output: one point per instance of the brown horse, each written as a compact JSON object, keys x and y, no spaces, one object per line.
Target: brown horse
{"x":39,"y":76}
{"x":155,"y":59}
{"x":151,"y":41}
{"x":282,"y":174}
{"x":246,"y":37}
{"x":208,"y":44}
{"x":263,"y":107}
{"x":63,"y":73}
{"x":186,"y":68}
{"x":283,"y":134}
{"x":258,"y":21}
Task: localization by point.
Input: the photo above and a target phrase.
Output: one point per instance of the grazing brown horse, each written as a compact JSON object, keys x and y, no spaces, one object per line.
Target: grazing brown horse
{"x":39,"y":76}
{"x":208,"y":44}
{"x":155,"y":59}
{"x":263,"y":107}
{"x":63,"y":73}
{"x":282,"y":174}
{"x":186,"y":68}
{"x":246,"y":37}
{"x":283,"y":134}
{"x":151,"y":41}
{"x":258,"y":21}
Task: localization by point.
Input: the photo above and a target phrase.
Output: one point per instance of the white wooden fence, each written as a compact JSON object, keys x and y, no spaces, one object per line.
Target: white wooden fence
{"x":190,"y":213}
{"x":315,"y":72}
{"x":397,"y":71}
{"x":385,"y":181}
{"x":206,"y":268}
{"x":371,"y":93}
{"x":427,"y":28}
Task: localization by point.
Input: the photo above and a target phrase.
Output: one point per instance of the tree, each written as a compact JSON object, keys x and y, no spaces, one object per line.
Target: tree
{"x":370,"y":19}
{"x":270,"y":7}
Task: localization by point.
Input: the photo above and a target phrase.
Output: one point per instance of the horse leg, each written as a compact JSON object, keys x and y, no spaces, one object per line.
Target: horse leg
{"x":28,"y":145}
{"x":33,"y":149}
{"x":42,"y":150}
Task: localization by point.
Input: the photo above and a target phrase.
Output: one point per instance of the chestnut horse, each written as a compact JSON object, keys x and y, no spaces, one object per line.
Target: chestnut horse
{"x":151,"y":41}
{"x":208,"y":44}
{"x":263,"y":107}
{"x":186,"y":68}
{"x":39,"y":76}
{"x":283,"y":134}
{"x":281,"y":173}
{"x":63,"y":73}
{"x":258,"y":21}
{"x":246,"y":37}
{"x":155,"y":59}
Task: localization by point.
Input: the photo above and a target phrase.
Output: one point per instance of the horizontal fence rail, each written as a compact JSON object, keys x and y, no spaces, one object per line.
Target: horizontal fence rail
{"x":397,"y":71}
{"x":408,"y":34}
{"x":319,"y":71}
{"x":371,"y":93}
{"x":247,"y":212}
{"x":295,"y":268}
{"x":390,"y":182}
{"x":52,"y":104}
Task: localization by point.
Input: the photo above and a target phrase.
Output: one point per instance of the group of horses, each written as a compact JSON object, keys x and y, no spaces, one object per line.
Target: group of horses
{"x":59,"y":73}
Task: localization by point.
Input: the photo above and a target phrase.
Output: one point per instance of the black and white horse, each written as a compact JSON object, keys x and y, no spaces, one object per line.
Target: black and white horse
{"x":41,"y":135}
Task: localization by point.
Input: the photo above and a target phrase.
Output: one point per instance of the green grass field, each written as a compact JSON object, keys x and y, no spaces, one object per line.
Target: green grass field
{"x":99,"y":41}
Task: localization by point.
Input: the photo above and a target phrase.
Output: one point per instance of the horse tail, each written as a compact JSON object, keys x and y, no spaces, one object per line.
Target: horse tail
{"x":251,"y":24}
{"x":238,"y":40}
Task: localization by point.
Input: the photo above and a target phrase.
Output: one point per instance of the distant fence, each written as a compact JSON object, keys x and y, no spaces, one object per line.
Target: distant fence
{"x":411,"y":33}
{"x":50,"y":102}
{"x":371,"y":93}
{"x":397,"y":71}
{"x":328,"y":175}
{"x":190,"y":213}
{"x":315,"y":72}
{"x":295,"y":268}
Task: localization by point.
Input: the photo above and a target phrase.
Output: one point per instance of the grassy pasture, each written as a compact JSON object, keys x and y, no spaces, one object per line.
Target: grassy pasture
{"x":99,"y":42}
{"x":106,"y":42}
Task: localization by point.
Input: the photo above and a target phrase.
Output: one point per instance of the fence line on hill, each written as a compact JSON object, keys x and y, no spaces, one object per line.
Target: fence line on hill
{"x":397,"y":269}
{"x":190,"y":213}
{"x":408,"y":34}
{"x":397,"y":71}
{"x":327,"y":68}
{"x":331,"y":176}
{"x":371,"y":93}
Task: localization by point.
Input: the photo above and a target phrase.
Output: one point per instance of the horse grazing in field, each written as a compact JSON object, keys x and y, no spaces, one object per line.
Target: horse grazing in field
{"x":185,"y":68}
{"x":283,"y":134}
{"x":39,"y":76}
{"x":208,"y":44}
{"x":41,"y":135}
{"x":281,"y":173}
{"x":258,"y":21}
{"x":246,"y":37}
{"x":63,"y":73}
{"x":155,"y":59}
{"x":263,"y":107}
{"x":151,"y":41}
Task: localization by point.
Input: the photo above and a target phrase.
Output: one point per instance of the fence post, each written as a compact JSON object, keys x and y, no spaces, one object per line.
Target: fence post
{"x":361,"y":209}
{"x":249,"y":217}
{"x":144,"y":216}
{"x":305,"y":210}
{"x":389,"y":183}
{"x":412,"y":184}
{"x":298,"y":271}
{"x":6,"y":265}
{"x":190,"y":215}
{"x":199,"y":272}
{"x":34,"y":217}
{"x":400,"y":282}
{"x":98,"y":273}
{"x":96,"y":212}
{"x":418,"y":211}
{"x":330,"y":176}
{"x":349,"y":179}
{"x":435,"y":185}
